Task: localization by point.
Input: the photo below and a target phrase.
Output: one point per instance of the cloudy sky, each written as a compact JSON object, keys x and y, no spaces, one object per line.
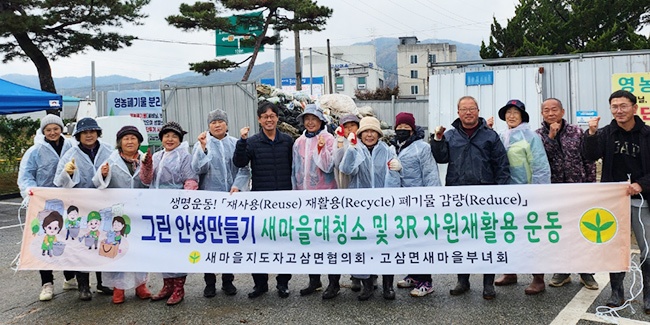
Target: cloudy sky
{"x":164,"y":50}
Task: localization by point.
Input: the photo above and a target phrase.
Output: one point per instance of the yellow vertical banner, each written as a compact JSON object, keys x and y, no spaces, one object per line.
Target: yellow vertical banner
{"x":638,"y":84}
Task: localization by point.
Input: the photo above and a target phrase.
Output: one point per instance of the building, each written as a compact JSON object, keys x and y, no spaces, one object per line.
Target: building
{"x":353,"y":67}
{"x":414,"y":62}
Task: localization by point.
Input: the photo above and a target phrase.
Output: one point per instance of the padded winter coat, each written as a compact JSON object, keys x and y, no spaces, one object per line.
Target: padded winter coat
{"x":270,"y":161}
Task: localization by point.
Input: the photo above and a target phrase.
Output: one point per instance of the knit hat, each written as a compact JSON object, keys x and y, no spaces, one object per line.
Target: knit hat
{"x":86,"y":124}
{"x":51,"y":119}
{"x":94,"y":215}
{"x":369,"y":123}
{"x":313,"y":110}
{"x":405,"y":118}
{"x":129,"y":129}
{"x":172,"y":127}
{"x":349,"y":118}
{"x":519,"y":105}
{"x":217,"y":115}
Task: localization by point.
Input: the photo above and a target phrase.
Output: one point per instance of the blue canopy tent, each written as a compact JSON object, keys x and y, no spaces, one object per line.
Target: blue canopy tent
{"x":20,"y":99}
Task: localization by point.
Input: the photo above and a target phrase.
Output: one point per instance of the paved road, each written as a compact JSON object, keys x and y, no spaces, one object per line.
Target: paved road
{"x":570,"y":304}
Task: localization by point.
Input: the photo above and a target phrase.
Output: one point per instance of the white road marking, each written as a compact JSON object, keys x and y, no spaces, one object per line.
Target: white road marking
{"x":12,"y":226}
{"x":11,"y":203}
{"x":574,"y":311}
{"x":620,"y":320}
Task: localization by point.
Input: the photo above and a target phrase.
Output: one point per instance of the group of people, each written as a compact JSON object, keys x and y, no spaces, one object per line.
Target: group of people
{"x":353,"y":157}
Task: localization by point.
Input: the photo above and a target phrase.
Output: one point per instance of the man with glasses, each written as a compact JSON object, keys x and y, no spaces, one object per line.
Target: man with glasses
{"x":475,"y":156}
{"x":624,"y":146}
{"x":270,"y":156}
{"x":562,"y":142}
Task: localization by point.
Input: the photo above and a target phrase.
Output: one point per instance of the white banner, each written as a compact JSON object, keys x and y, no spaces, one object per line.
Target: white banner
{"x":471,"y":229}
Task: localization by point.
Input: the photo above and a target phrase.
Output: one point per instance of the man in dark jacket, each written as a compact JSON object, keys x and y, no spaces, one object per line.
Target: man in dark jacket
{"x":624,"y":146}
{"x":270,"y":156}
{"x":476,"y":156}
{"x":563,"y":143}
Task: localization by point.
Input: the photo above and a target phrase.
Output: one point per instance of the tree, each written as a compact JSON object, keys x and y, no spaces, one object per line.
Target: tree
{"x":307,"y":15}
{"x":546,"y":27}
{"x":48,"y":30}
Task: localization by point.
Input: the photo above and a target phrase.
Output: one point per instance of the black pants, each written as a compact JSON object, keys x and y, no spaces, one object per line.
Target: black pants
{"x":83,"y":278}
{"x":421,"y":277}
{"x":262,"y":279}
{"x":211,"y":278}
{"x":47,"y":276}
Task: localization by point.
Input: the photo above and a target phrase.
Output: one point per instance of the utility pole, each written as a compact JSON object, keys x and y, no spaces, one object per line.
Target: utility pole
{"x":329,"y":66}
{"x":296,"y":38}
{"x":278,"y":59}
{"x":311,"y":74}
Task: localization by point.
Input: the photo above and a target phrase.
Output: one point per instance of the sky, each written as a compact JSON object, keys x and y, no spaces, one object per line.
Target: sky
{"x":163,"y":50}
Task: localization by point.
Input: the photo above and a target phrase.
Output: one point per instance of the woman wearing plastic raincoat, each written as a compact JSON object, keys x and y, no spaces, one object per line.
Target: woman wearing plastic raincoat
{"x":170,"y":168}
{"x":418,"y":169}
{"x":122,"y":170}
{"x":37,"y":169}
{"x":528,"y":165}
{"x":371,"y":164}
{"x":212,"y":161}
{"x":76,"y":169}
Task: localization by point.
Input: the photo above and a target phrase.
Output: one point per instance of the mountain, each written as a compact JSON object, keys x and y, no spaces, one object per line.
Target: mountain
{"x":386,"y":51}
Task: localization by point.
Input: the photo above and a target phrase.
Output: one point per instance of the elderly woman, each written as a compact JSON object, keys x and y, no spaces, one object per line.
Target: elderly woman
{"x":371,"y":164}
{"x":170,"y":168}
{"x":122,"y":170}
{"x":37,"y":170}
{"x":76,"y":170}
{"x":528,"y":165}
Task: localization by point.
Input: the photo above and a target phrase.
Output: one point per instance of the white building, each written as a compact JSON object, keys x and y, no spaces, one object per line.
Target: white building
{"x":414,"y":62}
{"x":353,"y":67}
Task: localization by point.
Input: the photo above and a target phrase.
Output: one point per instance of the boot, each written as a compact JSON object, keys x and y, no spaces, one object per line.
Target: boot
{"x":333,"y":287}
{"x":618,"y":294}
{"x":536,"y":286}
{"x":488,"y":287}
{"x":367,"y":289}
{"x":314,"y":285}
{"x":83,"y":283}
{"x":226,"y":284}
{"x":142,"y":292}
{"x":100,"y":286}
{"x":179,"y":291}
{"x":462,"y":286}
{"x":506,"y":279}
{"x":210,"y":289}
{"x":118,"y":296}
{"x":645,"y":269}
{"x":387,"y":283}
{"x":356,"y":284}
{"x":166,"y":291}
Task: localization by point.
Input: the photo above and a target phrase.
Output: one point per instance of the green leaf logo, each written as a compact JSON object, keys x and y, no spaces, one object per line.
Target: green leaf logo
{"x":598,"y":225}
{"x":195,"y":257}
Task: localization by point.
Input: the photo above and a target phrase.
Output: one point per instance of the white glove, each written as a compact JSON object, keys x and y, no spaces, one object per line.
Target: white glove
{"x":352,"y":137}
{"x":394,"y":165}
{"x":438,"y":133}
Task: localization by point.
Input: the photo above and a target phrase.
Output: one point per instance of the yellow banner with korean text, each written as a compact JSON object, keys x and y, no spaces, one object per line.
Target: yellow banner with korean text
{"x":639,"y":85}
{"x":556,"y":228}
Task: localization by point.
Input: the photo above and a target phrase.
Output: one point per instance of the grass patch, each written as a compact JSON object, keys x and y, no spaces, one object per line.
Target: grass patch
{"x":8,"y":183}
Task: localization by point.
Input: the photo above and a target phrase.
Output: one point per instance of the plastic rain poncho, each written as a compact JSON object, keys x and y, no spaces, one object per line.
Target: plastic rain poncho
{"x":118,"y":175}
{"x":526,"y":155}
{"x":172,"y":168}
{"x":312,"y":170}
{"x":83,"y":175}
{"x":369,"y":170}
{"x":342,"y":179}
{"x":418,"y":166}
{"x":38,"y":166}
{"x":215,"y":169}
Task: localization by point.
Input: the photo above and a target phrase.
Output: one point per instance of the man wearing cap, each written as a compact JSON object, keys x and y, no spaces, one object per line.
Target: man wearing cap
{"x":562,"y":142}
{"x":475,"y":156}
{"x":528,"y":165}
{"x":212,"y":161}
{"x":419,"y":169}
{"x":76,"y":169}
{"x":269,"y":153}
{"x":37,"y":169}
{"x":313,"y":164}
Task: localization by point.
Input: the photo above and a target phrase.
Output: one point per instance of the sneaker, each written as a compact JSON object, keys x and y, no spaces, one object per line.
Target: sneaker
{"x":588,"y":281}
{"x":47,"y":292}
{"x":407,"y":282}
{"x":422,"y":289}
{"x":70,"y":284}
{"x":559,"y":279}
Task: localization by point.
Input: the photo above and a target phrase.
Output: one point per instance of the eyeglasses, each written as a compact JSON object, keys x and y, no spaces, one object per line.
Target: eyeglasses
{"x":465,"y":110}
{"x":269,"y":117}
{"x":621,"y":107}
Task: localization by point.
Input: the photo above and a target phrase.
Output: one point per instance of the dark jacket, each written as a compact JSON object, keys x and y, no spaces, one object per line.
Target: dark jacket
{"x":270,"y":161}
{"x":565,"y":155}
{"x":601,"y":145}
{"x":479,"y":160}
